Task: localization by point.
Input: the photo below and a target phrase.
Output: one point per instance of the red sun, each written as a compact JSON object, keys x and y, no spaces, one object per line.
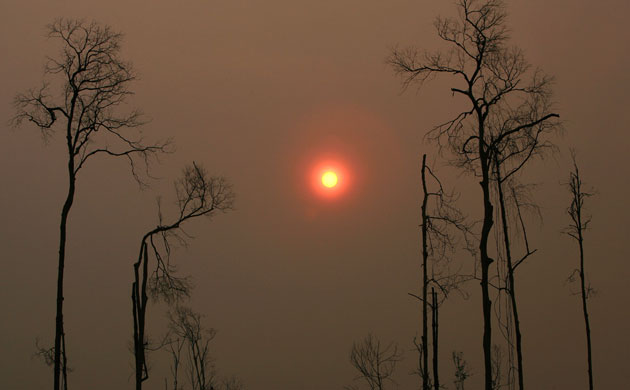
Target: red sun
{"x":329,"y":179}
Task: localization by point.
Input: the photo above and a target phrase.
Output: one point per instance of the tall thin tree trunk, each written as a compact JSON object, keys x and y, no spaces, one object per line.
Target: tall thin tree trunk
{"x":60,"y":335}
{"x":64,"y":370}
{"x":584,"y":308}
{"x":136,"y":309}
{"x":484,"y":257}
{"x":60,"y":350}
{"x":434,"y":304}
{"x":136,"y":347}
{"x":577,"y":232}
{"x":511,"y":286}
{"x":139,"y":300}
{"x":59,"y":330}
{"x":425,"y":256}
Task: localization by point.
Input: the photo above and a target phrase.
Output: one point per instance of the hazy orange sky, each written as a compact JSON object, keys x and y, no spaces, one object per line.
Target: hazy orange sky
{"x":264,"y":92}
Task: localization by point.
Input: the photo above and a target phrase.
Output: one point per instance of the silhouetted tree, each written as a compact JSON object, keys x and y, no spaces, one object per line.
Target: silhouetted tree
{"x":186,"y":330}
{"x":515,"y":192}
{"x":185,"y":325}
{"x":462,"y":371}
{"x":175,"y":347}
{"x":231,"y":383}
{"x":497,"y":363}
{"x":509,"y":107}
{"x":91,"y":84}
{"x":376,"y":364}
{"x":434,"y":328}
{"x":579,"y":223}
{"x":440,"y":221}
{"x":197,"y":195}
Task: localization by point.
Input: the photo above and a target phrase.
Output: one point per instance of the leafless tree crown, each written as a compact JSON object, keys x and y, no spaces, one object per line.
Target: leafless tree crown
{"x":375,"y":363}
{"x":186,"y":326}
{"x":85,"y":91}
{"x":579,"y":223}
{"x":198,"y":194}
{"x":580,"y":220}
{"x":508,"y":99}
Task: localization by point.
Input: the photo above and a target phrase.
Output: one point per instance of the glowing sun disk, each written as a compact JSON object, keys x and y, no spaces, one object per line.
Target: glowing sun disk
{"x":329,"y":179}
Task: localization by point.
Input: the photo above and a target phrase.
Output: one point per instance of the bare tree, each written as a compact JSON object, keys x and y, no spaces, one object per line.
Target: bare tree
{"x":462,"y":372}
{"x":232,"y":383}
{"x":376,"y":364}
{"x":175,"y":349}
{"x":508,"y":113}
{"x":440,"y":221}
{"x":579,"y":223}
{"x":91,"y":84}
{"x":497,"y":363}
{"x":185,"y":324}
{"x":424,"y":354}
{"x":186,"y":333}
{"x":514,"y":200}
{"x":434,"y":330}
{"x":197,"y":195}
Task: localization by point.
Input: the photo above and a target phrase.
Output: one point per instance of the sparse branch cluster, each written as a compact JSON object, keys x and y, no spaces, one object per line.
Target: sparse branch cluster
{"x":446,"y":226}
{"x":188,"y":332}
{"x":462,"y":371}
{"x":375,"y":363}
{"x":443,"y":217}
{"x":579,"y":220}
{"x":198,"y":194}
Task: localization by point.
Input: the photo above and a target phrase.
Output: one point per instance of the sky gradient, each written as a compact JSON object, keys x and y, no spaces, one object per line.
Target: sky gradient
{"x":264,"y":92}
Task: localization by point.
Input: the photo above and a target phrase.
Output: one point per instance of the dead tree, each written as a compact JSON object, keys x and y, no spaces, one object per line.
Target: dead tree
{"x":515,"y":193}
{"x":577,"y":227}
{"x":424,"y":355}
{"x":434,"y":327}
{"x":231,"y":383}
{"x":185,"y":325}
{"x":462,"y":372}
{"x":187,"y":334}
{"x":91,"y":85}
{"x":175,"y":349}
{"x":440,"y":221}
{"x":376,"y":364}
{"x":507,"y":107}
{"x":197,"y":195}
{"x":497,"y":363}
